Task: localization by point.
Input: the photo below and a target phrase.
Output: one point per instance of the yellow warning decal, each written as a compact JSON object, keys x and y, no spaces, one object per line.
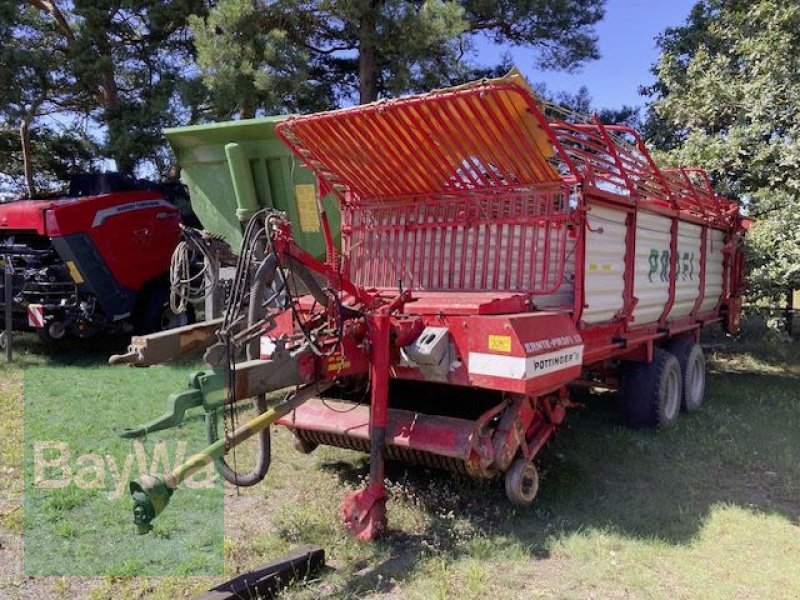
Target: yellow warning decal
{"x":605,"y":267}
{"x":500,"y":343}
{"x":338,"y":362}
{"x":306,"y":194}
{"x":74,"y":273}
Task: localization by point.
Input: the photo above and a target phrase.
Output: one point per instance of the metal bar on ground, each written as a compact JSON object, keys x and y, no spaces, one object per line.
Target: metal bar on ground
{"x":265,"y":582}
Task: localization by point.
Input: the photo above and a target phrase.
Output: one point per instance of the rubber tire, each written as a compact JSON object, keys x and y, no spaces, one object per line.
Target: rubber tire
{"x":644,"y":391}
{"x":44,"y":336}
{"x":693,"y":367}
{"x":149,"y":313}
{"x":522,"y":483}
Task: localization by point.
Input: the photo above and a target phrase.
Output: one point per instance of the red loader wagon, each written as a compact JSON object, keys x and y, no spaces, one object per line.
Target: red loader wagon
{"x":494,"y":252}
{"x":539,"y":252}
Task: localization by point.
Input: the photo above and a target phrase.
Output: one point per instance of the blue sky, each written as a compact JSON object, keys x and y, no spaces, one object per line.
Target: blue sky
{"x":627,"y":47}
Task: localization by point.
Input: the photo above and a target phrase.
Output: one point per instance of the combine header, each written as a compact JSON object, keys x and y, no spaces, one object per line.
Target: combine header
{"x":494,"y":251}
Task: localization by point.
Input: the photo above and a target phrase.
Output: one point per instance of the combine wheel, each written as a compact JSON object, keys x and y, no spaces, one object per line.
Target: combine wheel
{"x":154,"y":314}
{"x":650,"y":393}
{"x":522,"y":483}
{"x":693,"y":367}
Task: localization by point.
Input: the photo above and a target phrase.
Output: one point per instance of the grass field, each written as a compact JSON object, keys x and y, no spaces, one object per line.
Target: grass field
{"x":75,"y":413}
{"x":709,"y":509}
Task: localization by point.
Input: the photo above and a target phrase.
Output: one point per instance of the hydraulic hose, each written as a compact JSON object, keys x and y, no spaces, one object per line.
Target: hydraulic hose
{"x":263,"y":278}
{"x":308,"y":279}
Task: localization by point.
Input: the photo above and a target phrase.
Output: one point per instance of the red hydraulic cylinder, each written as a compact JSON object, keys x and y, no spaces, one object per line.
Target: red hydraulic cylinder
{"x":364,"y":511}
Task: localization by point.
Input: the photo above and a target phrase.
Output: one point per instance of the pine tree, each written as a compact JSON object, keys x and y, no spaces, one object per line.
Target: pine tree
{"x":119,"y":67}
{"x":291,"y":55}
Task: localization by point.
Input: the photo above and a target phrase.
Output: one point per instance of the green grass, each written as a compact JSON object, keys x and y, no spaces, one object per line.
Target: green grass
{"x":708,"y":509}
{"x":85,"y":526}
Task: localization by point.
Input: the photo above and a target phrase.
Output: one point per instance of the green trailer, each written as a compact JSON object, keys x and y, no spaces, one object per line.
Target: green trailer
{"x":235,"y":168}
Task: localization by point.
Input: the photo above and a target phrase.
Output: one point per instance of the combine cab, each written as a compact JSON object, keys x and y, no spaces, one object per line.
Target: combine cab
{"x":89,"y":264}
{"x":494,"y":251}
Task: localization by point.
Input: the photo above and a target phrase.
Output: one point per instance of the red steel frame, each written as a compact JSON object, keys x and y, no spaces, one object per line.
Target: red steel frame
{"x":430,"y":186}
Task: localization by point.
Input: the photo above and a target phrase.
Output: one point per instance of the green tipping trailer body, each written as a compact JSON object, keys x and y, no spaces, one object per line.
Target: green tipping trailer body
{"x":236,"y":168}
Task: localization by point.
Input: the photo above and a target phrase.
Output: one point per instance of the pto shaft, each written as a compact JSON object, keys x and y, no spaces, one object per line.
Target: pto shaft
{"x":151,"y":495}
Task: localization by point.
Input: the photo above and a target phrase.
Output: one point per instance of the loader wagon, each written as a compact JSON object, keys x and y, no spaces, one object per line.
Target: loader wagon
{"x":494,"y":252}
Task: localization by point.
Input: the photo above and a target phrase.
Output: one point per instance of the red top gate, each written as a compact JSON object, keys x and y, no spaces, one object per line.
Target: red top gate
{"x":455,"y":190}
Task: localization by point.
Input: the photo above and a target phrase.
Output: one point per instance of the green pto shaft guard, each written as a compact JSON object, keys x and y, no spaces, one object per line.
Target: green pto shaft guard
{"x":151,"y":494}
{"x":150,"y":498}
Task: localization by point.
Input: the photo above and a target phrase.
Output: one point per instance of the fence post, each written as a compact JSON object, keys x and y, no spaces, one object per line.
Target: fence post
{"x":8,"y":285}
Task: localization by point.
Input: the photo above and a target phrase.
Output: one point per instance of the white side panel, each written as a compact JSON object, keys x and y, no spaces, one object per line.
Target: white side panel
{"x":604,"y":267}
{"x":687,"y":285}
{"x":715,"y":240}
{"x":651,"y":272}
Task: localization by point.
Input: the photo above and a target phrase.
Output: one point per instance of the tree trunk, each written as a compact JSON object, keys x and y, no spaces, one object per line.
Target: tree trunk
{"x":25,"y":140}
{"x":27,"y":165}
{"x":247,"y":110}
{"x":367,"y":55}
{"x":789,"y":312}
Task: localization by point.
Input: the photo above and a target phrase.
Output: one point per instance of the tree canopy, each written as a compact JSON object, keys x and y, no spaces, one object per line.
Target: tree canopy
{"x":96,"y":66}
{"x":106,"y":77}
{"x":257,"y":54}
{"x":727,"y":97}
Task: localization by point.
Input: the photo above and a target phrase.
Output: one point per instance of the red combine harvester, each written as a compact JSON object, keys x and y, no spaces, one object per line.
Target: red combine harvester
{"x":89,"y":264}
{"x":494,"y":252}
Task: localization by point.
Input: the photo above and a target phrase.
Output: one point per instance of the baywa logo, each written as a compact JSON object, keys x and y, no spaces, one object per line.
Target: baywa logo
{"x":55,"y":466}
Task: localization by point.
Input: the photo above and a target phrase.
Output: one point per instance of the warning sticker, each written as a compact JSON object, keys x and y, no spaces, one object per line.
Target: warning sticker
{"x":500,"y":343}
{"x":36,"y":316}
{"x":337,"y":362}
{"x":306,"y":194}
{"x":74,"y":272}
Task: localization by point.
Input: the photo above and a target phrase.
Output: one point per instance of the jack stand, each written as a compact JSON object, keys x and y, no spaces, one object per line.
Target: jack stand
{"x":364,"y":511}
